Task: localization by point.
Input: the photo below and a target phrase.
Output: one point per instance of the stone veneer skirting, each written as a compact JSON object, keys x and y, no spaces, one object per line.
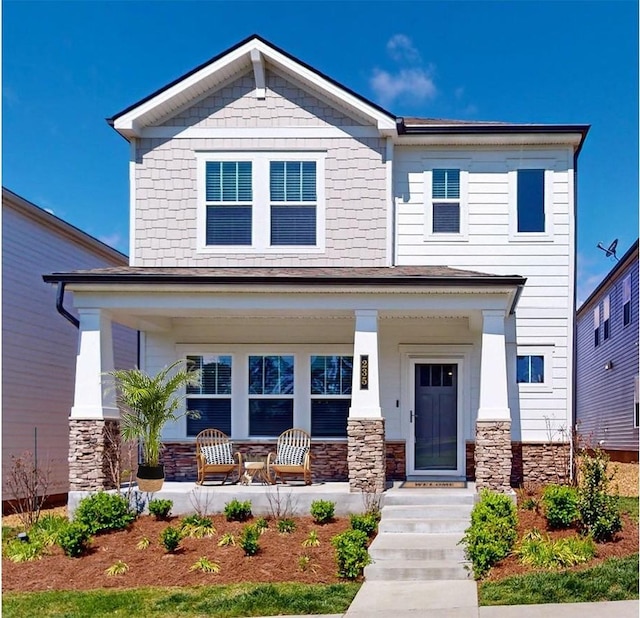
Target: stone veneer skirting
{"x":329,"y":459}
{"x":493,"y":455}
{"x":92,"y":445}
{"x":366,"y":456}
{"x":532,"y":462}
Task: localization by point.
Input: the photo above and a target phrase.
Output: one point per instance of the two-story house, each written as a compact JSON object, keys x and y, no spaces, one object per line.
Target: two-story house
{"x":401,"y":288}
{"x":607,"y":402}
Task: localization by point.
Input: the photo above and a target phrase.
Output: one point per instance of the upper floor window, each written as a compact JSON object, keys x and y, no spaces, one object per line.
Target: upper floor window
{"x":626,"y":300}
{"x":331,"y":378}
{"x":261,"y":202}
{"x":606,"y":314}
{"x":211,"y":399}
{"x":445,"y":195}
{"x":530,"y":200}
{"x":596,"y":326}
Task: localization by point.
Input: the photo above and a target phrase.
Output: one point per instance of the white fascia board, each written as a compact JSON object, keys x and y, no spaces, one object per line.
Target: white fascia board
{"x":132,"y":122}
{"x":491,"y":139}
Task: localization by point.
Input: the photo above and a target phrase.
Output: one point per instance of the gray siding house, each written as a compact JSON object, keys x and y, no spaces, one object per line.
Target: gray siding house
{"x":39,"y":348}
{"x":607,"y":362}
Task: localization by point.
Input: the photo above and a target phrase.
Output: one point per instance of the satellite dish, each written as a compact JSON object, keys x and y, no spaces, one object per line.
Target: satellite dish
{"x":610,"y":250}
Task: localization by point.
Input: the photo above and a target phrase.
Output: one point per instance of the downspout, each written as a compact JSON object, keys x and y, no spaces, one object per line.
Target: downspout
{"x":60,"y":306}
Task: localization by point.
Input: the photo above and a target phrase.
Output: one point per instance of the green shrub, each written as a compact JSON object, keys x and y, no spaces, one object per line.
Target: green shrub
{"x":170,"y":538}
{"x":74,"y":538}
{"x":599,"y":510}
{"x":237,"y":511}
{"x":103,"y":511}
{"x":23,"y":551}
{"x":322,"y":511}
{"x":538,"y":551}
{"x":560,"y":505}
{"x":160,"y":509}
{"x":249,"y":540}
{"x":367,"y":523}
{"x":48,"y":528}
{"x":197,"y":527}
{"x":492,"y":533}
{"x":351,"y":553}
{"x":261,"y":524}
{"x":286,"y":525}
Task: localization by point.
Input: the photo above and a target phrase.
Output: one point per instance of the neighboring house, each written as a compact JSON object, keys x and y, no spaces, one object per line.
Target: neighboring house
{"x":607,"y":362}
{"x":39,"y":348}
{"x":401,"y":288}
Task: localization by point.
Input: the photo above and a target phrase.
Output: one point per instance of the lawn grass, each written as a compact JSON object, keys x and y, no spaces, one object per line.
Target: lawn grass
{"x":195,"y":602}
{"x":629,"y":505}
{"x":615,"y":579}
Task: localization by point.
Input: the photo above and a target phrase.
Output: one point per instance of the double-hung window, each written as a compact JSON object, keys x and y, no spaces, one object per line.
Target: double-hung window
{"x":445,"y":201}
{"x":229,"y":195}
{"x":211,"y":399}
{"x":261,"y":202}
{"x":330,"y":395}
{"x":292,"y":186}
{"x":626,"y":300}
{"x":271,"y":391}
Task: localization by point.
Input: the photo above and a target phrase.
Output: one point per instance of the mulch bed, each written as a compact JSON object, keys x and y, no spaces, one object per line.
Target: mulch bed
{"x":277,"y":560}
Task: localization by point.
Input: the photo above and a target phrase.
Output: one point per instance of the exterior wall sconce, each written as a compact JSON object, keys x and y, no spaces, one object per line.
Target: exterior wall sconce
{"x":608,"y":365}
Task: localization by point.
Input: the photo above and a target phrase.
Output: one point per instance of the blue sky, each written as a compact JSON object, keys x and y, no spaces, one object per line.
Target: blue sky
{"x":66,"y":66}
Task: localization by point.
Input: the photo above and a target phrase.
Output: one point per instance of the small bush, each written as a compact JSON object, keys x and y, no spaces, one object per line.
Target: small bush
{"x":23,"y":551}
{"x":170,"y":538}
{"x":197,"y":527}
{"x":538,"y":551}
{"x":351,"y":553}
{"x":492,"y":533}
{"x":237,"y":511}
{"x":143,"y":543}
{"x":48,"y":528}
{"x":560,"y":505}
{"x":249,"y":540}
{"x":367,"y":523}
{"x":160,"y":509}
{"x":261,"y":524}
{"x":117,"y":568}
{"x":103,"y":511}
{"x":285,"y":526}
{"x":205,"y":565}
{"x":599,"y":510}
{"x":312,"y":540}
{"x":227,"y":539}
{"x":74,"y":539}
{"x":322,"y":511}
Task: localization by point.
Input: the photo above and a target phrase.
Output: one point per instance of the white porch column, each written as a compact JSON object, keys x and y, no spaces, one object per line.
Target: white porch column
{"x":365,"y":391}
{"x":94,"y":396}
{"x":493,"y":427}
{"x":366,"y":456}
{"x":494,"y":402}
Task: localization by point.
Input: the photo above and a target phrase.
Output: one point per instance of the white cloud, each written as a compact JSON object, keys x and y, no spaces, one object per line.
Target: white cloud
{"x":400,"y":48}
{"x":415,"y":85}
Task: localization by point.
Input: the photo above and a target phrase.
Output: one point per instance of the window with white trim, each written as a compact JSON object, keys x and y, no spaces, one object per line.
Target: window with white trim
{"x":530,"y":200}
{"x":271,"y":392}
{"x":596,"y":326}
{"x":534,"y":368}
{"x":269,"y":202}
{"x":626,"y":300}
{"x":331,"y":378}
{"x":211,"y":399}
{"x":606,"y":314}
{"x":445,"y":191}
{"x":530,"y":369}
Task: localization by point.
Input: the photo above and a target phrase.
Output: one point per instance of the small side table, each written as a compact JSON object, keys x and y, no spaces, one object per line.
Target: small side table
{"x":257,"y":470}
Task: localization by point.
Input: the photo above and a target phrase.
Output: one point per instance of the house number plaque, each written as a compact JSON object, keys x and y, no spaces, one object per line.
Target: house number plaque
{"x":364,"y":372}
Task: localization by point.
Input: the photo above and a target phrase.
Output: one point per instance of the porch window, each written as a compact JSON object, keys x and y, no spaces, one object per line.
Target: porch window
{"x":212,"y":398}
{"x":330,"y":395}
{"x":228,"y":198}
{"x":271,"y":390}
{"x":293,"y":202}
{"x":530,"y":369}
{"x":626,"y":300}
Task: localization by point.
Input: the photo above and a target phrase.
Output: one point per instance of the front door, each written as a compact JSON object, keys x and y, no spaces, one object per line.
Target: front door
{"x":435,"y":419}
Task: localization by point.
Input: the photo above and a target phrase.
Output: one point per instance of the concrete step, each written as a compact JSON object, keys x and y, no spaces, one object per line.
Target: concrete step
{"x":416,"y":570}
{"x":419,"y":511}
{"x":424,"y":526}
{"x":426,"y":497}
{"x":407,"y":546}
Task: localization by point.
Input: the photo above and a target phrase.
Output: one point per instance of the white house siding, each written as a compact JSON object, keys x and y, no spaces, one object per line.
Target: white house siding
{"x":166,"y":196}
{"x":39,"y":346}
{"x":544,"y":313}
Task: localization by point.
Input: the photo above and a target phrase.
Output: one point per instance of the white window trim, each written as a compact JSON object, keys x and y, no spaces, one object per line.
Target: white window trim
{"x":261,"y":203}
{"x":546,"y":351}
{"x":548,"y":165}
{"x":459,"y":164}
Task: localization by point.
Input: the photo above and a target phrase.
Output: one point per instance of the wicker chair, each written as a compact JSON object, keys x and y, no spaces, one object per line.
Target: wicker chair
{"x":214,"y":455}
{"x":292,"y":456}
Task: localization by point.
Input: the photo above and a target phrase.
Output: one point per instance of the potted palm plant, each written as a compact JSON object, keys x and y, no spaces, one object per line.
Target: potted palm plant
{"x":147,"y":404}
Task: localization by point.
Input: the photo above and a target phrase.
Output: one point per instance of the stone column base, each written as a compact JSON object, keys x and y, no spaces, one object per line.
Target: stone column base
{"x":493,"y":455}
{"x":93,"y":447}
{"x":366,"y":454}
